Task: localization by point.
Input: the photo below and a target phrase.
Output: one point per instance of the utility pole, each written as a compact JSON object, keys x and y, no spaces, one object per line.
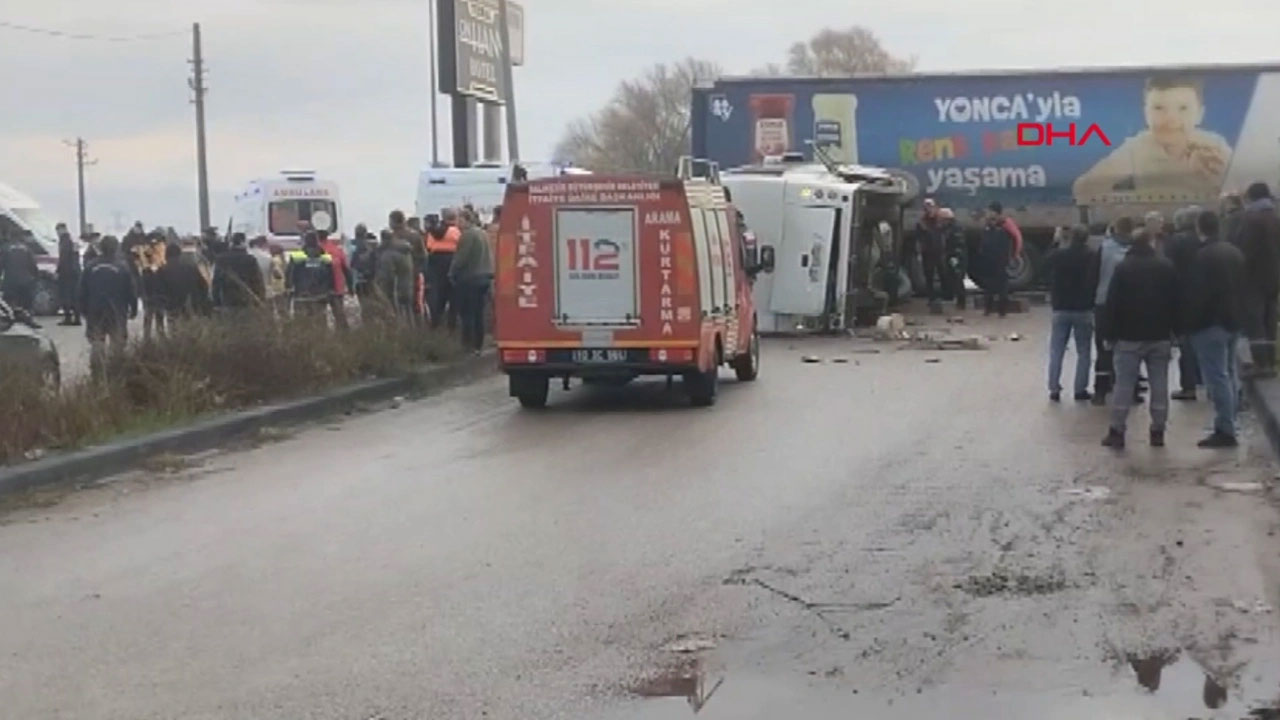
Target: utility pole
{"x":196,"y":83}
{"x":82,"y":151}
{"x":431,"y":37}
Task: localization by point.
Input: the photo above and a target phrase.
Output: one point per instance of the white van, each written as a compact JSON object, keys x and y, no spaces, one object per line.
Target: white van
{"x":19,"y":215}
{"x":482,"y":186}
{"x":274,"y":207}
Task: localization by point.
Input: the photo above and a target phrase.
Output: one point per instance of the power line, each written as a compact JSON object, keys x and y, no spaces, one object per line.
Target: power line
{"x":83,"y":36}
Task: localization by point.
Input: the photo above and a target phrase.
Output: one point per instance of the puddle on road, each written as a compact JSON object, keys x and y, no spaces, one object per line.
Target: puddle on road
{"x":1178,"y":684}
{"x":1156,"y":686}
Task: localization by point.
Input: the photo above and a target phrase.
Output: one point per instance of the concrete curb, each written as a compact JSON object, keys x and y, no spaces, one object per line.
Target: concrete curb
{"x":100,"y":461}
{"x":1264,"y":400}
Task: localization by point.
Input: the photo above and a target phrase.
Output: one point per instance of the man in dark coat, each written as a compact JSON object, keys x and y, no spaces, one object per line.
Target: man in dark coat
{"x":1140,"y":319}
{"x":185,"y":291}
{"x":995,"y":253}
{"x":1260,"y":241}
{"x":237,"y":279}
{"x":19,"y":273}
{"x":928,"y":238}
{"x":68,"y":276}
{"x":1181,"y":249}
{"x":108,"y":300}
{"x":1213,"y":316}
{"x":1073,"y":284}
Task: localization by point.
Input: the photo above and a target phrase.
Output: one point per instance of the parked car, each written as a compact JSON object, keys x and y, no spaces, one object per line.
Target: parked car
{"x":23,"y":342}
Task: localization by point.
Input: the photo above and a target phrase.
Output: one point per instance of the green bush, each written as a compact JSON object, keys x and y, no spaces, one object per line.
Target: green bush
{"x":203,"y":366}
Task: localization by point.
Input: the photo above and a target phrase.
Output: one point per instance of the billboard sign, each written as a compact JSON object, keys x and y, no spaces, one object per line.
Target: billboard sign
{"x":471,"y":47}
{"x":1110,"y":138}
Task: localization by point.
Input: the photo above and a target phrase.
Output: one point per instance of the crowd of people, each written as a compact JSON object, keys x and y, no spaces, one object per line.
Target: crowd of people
{"x":434,"y":272}
{"x":1205,"y":284}
{"x":940,"y":244}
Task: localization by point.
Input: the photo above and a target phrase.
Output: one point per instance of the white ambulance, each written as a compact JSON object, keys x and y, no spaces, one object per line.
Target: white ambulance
{"x":275,"y":207}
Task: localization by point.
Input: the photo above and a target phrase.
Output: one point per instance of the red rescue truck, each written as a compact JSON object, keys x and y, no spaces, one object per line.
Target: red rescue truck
{"x":608,"y":278}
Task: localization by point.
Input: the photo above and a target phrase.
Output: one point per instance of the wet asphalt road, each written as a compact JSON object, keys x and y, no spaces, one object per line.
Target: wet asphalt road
{"x":885,"y":537}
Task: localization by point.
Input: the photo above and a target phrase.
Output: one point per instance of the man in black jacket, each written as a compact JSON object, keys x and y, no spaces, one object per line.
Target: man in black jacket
{"x":68,"y":276}
{"x":1214,"y":314}
{"x":185,"y":291}
{"x":1260,"y":242}
{"x":1181,"y":249}
{"x":19,"y":273}
{"x":1141,"y":318}
{"x":237,"y":278}
{"x":929,"y":239}
{"x":994,"y":255}
{"x":108,"y":300}
{"x":1073,"y":283}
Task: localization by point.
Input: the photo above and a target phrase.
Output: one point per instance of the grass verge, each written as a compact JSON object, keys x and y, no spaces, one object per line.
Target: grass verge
{"x":204,"y":365}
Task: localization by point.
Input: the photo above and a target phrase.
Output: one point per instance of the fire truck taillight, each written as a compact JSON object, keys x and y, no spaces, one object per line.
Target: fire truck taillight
{"x":524,"y":357}
{"x":671,"y":355}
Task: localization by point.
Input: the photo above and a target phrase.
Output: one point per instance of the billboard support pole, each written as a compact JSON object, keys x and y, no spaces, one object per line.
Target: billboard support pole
{"x":492,"y":132}
{"x":513,"y":146}
{"x":461,"y":131}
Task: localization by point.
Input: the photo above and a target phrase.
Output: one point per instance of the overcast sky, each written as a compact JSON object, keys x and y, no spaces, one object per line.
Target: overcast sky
{"x":341,"y":86}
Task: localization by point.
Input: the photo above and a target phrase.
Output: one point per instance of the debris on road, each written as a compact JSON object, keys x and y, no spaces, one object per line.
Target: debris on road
{"x":999,"y":583}
{"x":811,"y":359}
{"x":956,"y":320}
{"x":1093,"y":492}
{"x":1221,"y":482}
{"x":964,"y":343}
{"x":686,"y":644}
{"x":891,"y":327}
{"x":840,"y":361}
{"x":397,"y":401}
{"x":933,"y":361}
{"x":1014,"y":337}
{"x":1257,"y":607}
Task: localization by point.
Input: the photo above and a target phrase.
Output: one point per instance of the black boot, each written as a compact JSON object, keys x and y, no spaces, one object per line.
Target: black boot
{"x":1114,"y":439}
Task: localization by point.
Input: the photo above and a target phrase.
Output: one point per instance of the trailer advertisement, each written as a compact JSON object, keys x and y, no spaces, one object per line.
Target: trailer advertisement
{"x":1106,"y":137}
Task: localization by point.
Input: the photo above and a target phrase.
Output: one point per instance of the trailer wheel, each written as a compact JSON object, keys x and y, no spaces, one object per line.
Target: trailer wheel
{"x":531,"y":390}
{"x":1023,"y":269}
{"x":747,"y":366}
{"x":703,"y":387}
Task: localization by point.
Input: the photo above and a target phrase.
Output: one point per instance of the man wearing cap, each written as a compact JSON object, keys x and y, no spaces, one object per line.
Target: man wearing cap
{"x":928,"y":238}
{"x":955,"y":263}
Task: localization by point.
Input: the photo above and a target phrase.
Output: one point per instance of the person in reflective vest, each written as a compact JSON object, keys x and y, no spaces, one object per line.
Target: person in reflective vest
{"x":440,"y":251}
{"x":309,"y":277}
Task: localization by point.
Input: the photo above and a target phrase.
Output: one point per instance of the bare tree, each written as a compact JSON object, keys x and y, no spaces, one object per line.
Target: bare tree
{"x":770,"y":70}
{"x":854,"y":51}
{"x":645,"y":127}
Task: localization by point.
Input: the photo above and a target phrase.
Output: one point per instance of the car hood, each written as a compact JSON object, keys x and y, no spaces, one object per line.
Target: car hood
{"x":22,"y":340}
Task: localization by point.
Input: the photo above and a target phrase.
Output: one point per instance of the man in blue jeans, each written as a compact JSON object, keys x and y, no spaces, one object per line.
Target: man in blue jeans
{"x":1215,"y":311}
{"x":1073,"y":282}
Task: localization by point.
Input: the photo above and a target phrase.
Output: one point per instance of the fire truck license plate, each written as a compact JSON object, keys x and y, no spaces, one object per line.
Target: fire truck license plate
{"x":599,"y":356}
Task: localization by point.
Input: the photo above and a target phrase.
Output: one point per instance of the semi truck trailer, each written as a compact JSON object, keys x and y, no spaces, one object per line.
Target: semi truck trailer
{"x":1056,"y":147}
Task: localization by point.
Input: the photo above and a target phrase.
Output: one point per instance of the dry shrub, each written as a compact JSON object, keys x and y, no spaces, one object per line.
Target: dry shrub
{"x":202,"y":366}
